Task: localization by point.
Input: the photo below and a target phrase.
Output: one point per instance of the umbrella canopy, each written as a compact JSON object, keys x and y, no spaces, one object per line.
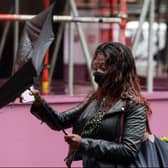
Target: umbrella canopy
{"x":35,"y":41}
{"x":37,"y":36}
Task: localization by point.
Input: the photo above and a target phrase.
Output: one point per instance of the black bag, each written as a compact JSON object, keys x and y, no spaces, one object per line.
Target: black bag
{"x":152,"y":154}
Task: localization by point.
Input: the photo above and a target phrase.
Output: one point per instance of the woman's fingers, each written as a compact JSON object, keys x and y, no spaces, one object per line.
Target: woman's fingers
{"x":68,"y":138}
{"x":37,"y":97}
{"x":35,"y":92}
{"x":72,"y":138}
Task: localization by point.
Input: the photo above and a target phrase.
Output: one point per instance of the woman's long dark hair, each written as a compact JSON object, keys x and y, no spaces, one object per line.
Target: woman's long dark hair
{"x":121,"y":81}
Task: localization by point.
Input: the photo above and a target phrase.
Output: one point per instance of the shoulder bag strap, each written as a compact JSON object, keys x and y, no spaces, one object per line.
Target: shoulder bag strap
{"x":121,"y":126}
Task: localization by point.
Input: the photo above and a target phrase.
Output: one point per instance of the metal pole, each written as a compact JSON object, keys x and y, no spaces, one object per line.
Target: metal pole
{"x":83,"y":19}
{"x":83,"y":41}
{"x":141,"y":21}
{"x":3,"y":38}
{"x":45,"y":70}
{"x":150,"y":51}
{"x":71,"y":59}
{"x":64,"y":18}
{"x":4,"y":35}
{"x":123,"y":13}
{"x":56,"y":49}
{"x":16,"y":35}
{"x":55,"y":53}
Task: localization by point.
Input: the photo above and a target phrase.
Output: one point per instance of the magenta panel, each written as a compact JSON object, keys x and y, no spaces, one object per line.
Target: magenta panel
{"x":25,"y":142}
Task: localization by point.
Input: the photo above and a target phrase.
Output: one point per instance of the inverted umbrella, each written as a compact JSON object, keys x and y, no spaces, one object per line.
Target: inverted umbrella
{"x":37,"y":36}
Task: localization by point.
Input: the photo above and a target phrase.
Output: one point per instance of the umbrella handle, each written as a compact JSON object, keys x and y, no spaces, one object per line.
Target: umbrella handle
{"x":64,"y":132}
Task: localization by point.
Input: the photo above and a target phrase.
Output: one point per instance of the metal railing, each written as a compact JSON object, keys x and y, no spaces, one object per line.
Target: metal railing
{"x":76,"y":19}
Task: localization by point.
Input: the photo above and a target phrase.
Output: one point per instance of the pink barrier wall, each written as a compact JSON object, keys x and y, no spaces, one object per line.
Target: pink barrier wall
{"x":25,"y":142}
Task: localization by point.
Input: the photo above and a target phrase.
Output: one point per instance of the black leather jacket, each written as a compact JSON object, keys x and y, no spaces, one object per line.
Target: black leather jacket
{"x":104,"y":150}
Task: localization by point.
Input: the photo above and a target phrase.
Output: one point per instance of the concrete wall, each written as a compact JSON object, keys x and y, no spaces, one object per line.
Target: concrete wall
{"x":24,"y":142}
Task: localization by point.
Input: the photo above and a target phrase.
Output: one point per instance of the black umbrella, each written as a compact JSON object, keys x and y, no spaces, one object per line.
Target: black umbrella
{"x":36,"y":38}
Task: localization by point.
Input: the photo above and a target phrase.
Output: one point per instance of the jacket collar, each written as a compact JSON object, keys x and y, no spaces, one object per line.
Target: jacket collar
{"x":117,"y":107}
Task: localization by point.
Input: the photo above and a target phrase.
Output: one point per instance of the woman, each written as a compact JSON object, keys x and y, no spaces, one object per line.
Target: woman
{"x":109,"y":127}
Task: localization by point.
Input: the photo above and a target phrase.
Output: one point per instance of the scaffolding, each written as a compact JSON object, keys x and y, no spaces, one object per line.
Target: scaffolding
{"x":75,"y":19}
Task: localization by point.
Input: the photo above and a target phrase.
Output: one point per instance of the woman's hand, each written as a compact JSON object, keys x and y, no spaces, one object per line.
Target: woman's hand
{"x":73,"y":140}
{"x":38,"y":99}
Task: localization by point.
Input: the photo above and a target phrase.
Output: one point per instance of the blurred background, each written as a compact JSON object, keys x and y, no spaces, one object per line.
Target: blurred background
{"x":142,"y":25}
{"x":65,"y":80}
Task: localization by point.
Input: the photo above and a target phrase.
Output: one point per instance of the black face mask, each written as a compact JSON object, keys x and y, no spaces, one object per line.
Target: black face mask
{"x":98,"y":77}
